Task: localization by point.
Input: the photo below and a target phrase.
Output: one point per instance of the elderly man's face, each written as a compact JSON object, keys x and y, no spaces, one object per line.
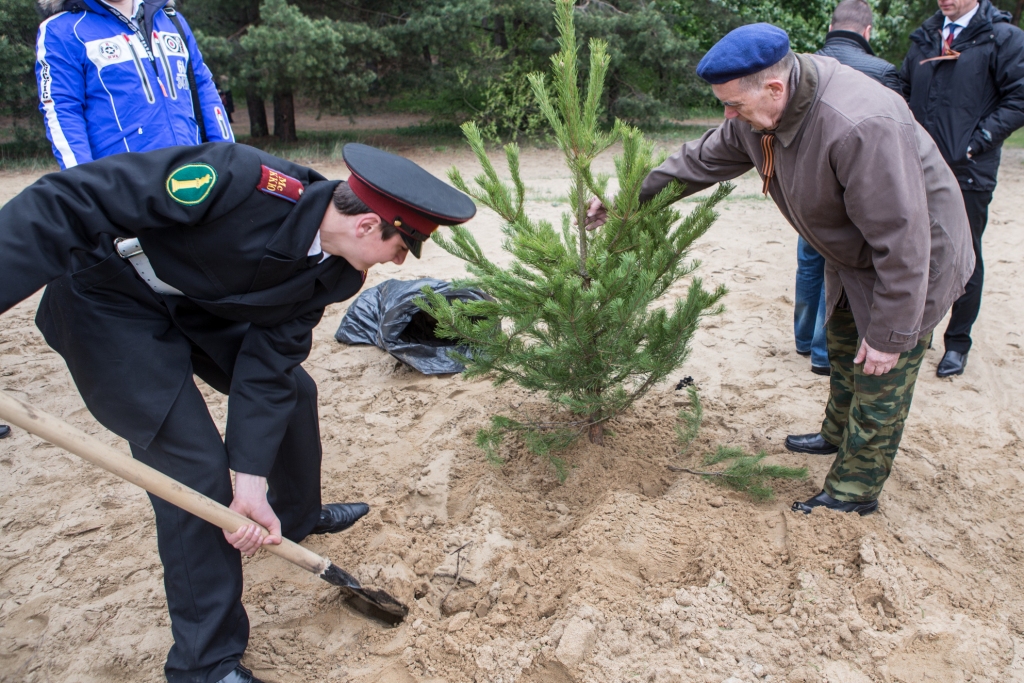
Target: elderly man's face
{"x":760,"y":107}
{"x":954,"y":9}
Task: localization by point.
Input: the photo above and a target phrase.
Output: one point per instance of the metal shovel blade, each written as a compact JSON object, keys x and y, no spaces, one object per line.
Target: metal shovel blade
{"x":375,"y":604}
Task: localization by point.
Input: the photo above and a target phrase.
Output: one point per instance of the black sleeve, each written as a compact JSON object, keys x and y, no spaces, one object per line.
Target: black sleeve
{"x":116,"y":196}
{"x":891,"y":80}
{"x":263,"y":391}
{"x":906,"y":74}
{"x":1008,"y":78}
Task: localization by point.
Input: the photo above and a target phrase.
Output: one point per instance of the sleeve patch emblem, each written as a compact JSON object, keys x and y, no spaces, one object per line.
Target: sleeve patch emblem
{"x":191,"y":184}
{"x":280,"y":185}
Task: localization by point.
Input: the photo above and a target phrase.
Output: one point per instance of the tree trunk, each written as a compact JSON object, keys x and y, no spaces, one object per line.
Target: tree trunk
{"x":284,"y":117}
{"x":257,"y":115}
{"x":500,"y":38}
{"x":596,"y":433}
{"x":1017,"y":12}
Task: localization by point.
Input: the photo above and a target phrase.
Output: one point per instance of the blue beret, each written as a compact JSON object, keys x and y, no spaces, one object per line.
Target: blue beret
{"x":743,"y":51}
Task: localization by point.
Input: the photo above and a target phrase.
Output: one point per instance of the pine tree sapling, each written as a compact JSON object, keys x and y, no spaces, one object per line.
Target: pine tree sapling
{"x":690,"y":420}
{"x":574,"y":314}
{"x":747,"y":472}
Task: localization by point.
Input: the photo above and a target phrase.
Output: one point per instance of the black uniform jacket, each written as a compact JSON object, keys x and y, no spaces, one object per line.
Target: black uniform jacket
{"x":239,"y":255}
{"x":851,"y":49}
{"x":976,"y":100}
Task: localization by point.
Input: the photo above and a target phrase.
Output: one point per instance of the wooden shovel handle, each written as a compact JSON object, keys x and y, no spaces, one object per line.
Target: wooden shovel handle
{"x":73,"y":440}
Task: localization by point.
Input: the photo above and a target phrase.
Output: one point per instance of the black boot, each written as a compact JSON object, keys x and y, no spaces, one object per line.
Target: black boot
{"x":335,"y":517}
{"x":827,"y":501}
{"x":240,"y":675}
{"x":952,"y":363}
{"x":814,"y":444}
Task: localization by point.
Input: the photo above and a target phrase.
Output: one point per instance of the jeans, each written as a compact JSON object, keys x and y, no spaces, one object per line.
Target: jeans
{"x":809,"y":309}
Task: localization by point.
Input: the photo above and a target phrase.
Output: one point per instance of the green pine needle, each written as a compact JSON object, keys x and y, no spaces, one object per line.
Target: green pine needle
{"x":747,"y":473}
{"x":691,"y":420}
{"x":575,"y":315}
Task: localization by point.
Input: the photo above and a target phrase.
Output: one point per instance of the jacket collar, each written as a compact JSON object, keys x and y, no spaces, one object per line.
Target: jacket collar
{"x":51,"y":7}
{"x":929,"y":34}
{"x":293,"y":238}
{"x":800,"y":101}
{"x":848,"y":37}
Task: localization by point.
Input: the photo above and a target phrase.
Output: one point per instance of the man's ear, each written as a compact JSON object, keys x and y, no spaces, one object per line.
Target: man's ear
{"x":366,"y":223}
{"x":776,"y":87}
{"x":867,"y":33}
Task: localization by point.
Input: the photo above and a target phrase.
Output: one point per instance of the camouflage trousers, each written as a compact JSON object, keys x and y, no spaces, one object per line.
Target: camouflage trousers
{"x":865,"y":413}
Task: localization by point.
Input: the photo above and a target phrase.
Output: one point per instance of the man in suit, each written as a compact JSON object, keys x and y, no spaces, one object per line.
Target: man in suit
{"x":964,"y":80}
{"x":217,"y":260}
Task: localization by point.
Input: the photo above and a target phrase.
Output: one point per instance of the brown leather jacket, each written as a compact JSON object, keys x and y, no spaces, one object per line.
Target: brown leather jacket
{"x":865,"y":185}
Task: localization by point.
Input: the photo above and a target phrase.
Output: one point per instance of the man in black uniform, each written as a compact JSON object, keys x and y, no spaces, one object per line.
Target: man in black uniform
{"x":216,"y":260}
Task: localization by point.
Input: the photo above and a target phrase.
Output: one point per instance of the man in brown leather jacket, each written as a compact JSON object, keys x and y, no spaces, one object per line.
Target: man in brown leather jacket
{"x":865,"y":185}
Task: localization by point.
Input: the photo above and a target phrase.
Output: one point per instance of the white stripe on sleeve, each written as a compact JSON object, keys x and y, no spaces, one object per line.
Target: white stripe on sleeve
{"x":46,"y":98}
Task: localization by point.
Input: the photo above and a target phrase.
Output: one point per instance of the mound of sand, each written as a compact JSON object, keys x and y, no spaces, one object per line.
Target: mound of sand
{"x":628,"y":571}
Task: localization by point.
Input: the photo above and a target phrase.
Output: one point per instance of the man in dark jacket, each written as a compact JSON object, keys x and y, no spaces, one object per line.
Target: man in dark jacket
{"x":217,"y":260}
{"x":964,"y":79}
{"x":846,"y":42}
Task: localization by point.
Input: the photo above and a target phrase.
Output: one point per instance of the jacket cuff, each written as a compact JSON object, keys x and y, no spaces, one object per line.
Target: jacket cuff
{"x":981,"y":142}
{"x":891,"y":341}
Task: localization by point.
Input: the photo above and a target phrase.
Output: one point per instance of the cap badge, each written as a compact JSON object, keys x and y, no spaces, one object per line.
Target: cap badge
{"x":191,"y":184}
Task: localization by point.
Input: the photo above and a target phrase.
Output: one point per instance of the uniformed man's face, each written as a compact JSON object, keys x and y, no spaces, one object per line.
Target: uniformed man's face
{"x":761,"y":107}
{"x":358,"y":240}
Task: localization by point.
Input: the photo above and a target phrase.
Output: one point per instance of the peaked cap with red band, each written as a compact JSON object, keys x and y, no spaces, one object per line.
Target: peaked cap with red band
{"x":403,"y":194}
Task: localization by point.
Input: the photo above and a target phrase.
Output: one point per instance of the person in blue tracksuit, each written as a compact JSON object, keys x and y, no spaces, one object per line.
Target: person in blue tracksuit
{"x":113,"y":77}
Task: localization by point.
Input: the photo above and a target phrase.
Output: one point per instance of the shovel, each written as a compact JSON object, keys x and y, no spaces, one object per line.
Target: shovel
{"x":375,"y":604}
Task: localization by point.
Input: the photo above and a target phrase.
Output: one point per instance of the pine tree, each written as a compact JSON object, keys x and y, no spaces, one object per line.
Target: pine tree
{"x":574,"y":314}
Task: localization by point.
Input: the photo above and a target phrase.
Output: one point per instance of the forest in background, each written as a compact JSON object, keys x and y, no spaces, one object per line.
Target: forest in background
{"x":450,"y":59}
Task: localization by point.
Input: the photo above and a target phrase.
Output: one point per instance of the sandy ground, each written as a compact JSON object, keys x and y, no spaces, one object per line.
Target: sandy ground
{"x":626,"y":572}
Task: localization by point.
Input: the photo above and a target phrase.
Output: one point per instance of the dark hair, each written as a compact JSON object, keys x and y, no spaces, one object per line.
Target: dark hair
{"x":851,"y":15}
{"x":346,"y":202}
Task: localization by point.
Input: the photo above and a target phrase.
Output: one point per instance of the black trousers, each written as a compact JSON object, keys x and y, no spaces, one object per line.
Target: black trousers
{"x":132,"y":354}
{"x":966,"y":308}
{"x":202,"y":572}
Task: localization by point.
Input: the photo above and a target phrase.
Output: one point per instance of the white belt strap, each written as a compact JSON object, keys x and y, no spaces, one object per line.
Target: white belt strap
{"x":131,"y":251}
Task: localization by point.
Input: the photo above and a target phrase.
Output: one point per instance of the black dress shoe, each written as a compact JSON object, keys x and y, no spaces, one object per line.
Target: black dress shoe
{"x":335,"y":517}
{"x":821,"y":370}
{"x":803,"y":353}
{"x":827,"y":501}
{"x":5,"y":431}
{"x":952,"y":363}
{"x":814,"y":444}
{"x":240,"y":675}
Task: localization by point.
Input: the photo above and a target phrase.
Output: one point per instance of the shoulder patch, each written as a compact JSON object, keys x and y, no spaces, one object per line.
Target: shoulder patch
{"x":191,"y":184}
{"x":280,"y":185}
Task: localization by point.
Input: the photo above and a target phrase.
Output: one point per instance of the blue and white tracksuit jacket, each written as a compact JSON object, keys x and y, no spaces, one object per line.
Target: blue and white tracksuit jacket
{"x":105,"y":89}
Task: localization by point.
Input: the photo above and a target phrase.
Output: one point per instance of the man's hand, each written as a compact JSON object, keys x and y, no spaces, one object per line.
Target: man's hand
{"x":597,"y":214}
{"x":251,"y":500}
{"x":875,"y":362}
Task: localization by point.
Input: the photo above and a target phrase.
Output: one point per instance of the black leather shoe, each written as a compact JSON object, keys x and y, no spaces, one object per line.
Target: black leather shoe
{"x":335,"y":517}
{"x":821,"y":370}
{"x":827,"y":501}
{"x":814,"y":444}
{"x":952,"y":363}
{"x":240,"y":675}
{"x":803,"y":353}
{"x":5,"y":431}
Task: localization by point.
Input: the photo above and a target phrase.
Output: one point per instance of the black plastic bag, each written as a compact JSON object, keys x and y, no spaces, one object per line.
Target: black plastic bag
{"x":386,"y":317}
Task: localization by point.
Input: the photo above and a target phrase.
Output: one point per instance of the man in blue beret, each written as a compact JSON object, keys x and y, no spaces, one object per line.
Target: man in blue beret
{"x":866,"y":187}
